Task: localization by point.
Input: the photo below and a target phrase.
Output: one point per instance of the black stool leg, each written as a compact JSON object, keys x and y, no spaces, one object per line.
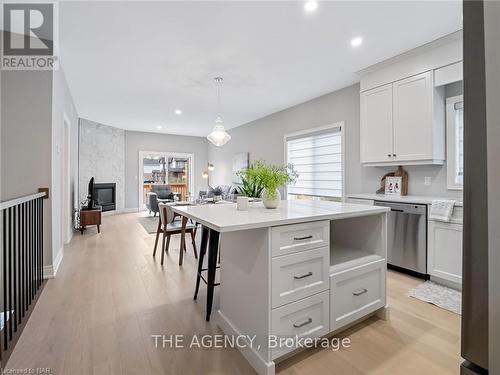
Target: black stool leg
{"x":213,"y":247}
{"x":203,"y":250}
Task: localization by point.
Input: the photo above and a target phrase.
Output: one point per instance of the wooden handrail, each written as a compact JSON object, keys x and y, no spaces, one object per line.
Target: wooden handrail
{"x":16,"y":201}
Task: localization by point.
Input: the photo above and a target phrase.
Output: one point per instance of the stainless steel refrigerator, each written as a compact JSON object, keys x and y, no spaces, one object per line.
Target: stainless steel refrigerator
{"x":474,"y":338}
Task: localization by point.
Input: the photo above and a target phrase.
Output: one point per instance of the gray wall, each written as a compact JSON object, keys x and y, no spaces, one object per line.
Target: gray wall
{"x":102,"y":156}
{"x":263,"y":139}
{"x":141,"y":141}
{"x":26,"y":122}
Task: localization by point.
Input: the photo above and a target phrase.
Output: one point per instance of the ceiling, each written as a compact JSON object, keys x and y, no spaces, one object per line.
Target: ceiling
{"x":131,"y":64}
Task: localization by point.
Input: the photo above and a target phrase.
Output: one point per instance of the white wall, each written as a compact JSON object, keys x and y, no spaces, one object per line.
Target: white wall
{"x":263,"y":139}
{"x":141,"y":141}
{"x":62,"y":106}
{"x":102,"y":156}
{"x":26,"y":128}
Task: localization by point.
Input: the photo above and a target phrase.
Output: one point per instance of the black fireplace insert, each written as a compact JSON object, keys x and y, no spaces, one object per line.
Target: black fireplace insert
{"x":105,"y":196}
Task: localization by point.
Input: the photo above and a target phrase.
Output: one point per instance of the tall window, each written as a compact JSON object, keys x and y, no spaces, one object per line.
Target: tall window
{"x":455,"y":142}
{"x":317,"y":157}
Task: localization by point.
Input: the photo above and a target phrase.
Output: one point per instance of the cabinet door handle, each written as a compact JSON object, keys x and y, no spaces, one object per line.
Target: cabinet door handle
{"x":303,"y":276}
{"x":302,"y":238}
{"x":360,"y":292}
{"x":394,"y":155}
{"x":298,"y":325}
{"x":388,"y":155}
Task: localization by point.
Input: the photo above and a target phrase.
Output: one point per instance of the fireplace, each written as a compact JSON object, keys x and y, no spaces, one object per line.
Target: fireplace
{"x":105,"y":196}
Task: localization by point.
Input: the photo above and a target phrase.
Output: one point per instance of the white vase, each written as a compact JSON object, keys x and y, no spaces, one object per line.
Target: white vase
{"x":271,"y":200}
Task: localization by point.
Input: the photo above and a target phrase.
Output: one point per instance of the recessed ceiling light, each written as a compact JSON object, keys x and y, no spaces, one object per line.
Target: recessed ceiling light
{"x":311,"y":6}
{"x":159,"y":127}
{"x":178,"y":112}
{"x":356,"y":42}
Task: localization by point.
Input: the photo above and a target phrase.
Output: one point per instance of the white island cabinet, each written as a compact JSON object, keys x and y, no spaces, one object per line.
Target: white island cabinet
{"x":305,"y":269}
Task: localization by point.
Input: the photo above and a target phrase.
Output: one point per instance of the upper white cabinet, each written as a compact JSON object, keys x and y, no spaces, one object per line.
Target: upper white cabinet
{"x":413,"y":120}
{"x":403,"y":123}
{"x":402,"y":104}
{"x":376,"y":124}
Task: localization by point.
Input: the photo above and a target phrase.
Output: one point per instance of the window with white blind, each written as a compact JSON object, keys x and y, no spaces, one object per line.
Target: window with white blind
{"x":317,"y":156}
{"x":455,"y":142}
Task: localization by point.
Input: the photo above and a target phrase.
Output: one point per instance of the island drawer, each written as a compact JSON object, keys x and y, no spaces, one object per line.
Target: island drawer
{"x":308,"y":317}
{"x":287,"y":239}
{"x":299,"y":275}
{"x":356,"y":292}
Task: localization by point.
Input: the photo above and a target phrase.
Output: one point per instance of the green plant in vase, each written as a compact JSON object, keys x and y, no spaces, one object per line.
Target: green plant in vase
{"x":272,"y":177}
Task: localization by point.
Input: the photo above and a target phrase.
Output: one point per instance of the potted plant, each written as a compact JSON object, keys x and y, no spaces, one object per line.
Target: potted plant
{"x":217,"y":192}
{"x":272,"y":177}
{"x":250,"y":185}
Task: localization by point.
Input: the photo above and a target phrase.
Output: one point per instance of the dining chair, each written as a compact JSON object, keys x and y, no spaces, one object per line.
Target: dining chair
{"x":167,"y":226}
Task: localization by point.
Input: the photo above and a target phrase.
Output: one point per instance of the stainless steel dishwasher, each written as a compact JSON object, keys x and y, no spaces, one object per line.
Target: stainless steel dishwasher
{"x":407,"y":236}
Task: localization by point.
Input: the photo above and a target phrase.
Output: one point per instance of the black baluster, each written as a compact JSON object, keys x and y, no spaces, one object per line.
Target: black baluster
{"x":4,"y":234}
{"x":32,"y":235}
{"x":23,"y":257}
{"x":10,"y":273}
{"x":41,"y":235}
{"x":14,"y":265}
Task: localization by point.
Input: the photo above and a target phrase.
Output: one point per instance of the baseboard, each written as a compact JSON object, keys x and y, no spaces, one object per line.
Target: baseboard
{"x":122,"y":211}
{"x":49,"y":272}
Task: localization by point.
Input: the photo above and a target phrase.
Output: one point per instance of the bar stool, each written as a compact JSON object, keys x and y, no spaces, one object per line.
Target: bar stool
{"x":211,"y":238}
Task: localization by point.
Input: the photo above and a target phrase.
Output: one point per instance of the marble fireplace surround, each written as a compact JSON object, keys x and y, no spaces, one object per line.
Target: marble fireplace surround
{"x":102,"y":156}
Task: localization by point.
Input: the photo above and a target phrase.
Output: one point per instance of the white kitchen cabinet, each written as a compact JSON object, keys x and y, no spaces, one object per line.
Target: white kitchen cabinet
{"x":403,"y":123}
{"x":376,"y":124}
{"x":412,"y":118}
{"x":444,"y":255}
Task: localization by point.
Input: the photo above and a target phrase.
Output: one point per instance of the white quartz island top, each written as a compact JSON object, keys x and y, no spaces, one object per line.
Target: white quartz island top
{"x":226,"y":218}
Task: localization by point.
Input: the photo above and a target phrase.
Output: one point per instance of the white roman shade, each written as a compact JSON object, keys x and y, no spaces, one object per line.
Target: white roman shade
{"x":317,"y":157}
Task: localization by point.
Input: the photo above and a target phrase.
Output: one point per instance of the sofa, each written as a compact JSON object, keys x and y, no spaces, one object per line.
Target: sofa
{"x":162,"y":192}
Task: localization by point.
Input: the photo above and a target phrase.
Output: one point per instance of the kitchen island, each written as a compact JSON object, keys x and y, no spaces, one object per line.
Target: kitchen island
{"x":305,"y":269}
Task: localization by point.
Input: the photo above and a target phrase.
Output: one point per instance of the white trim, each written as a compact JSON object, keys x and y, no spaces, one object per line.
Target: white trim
{"x":67,"y":218}
{"x":306,"y":132}
{"x":49,"y":272}
{"x":451,"y":142}
{"x":174,"y":154}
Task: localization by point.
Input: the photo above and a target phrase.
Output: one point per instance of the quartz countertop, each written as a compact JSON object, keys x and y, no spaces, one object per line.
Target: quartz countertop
{"x":226,"y":218}
{"x":418,"y":199}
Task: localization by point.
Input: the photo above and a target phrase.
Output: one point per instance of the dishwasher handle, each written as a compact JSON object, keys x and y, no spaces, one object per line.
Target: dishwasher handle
{"x":407,"y":208}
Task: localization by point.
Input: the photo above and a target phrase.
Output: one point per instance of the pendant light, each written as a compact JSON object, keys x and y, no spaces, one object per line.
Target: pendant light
{"x":218,"y":136}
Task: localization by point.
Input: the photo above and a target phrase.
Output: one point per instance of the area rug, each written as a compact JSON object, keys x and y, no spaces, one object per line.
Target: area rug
{"x":149,"y":223}
{"x":439,"y":295}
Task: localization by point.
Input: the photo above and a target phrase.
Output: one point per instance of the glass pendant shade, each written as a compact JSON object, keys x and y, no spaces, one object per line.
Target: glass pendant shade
{"x":219,"y":136}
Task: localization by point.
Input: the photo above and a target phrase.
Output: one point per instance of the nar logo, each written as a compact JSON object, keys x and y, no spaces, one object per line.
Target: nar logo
{"x":29,"y":36}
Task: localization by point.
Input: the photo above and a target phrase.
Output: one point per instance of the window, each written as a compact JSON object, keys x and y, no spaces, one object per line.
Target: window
{"x":455,"y":142}
{"x":317,"y":155}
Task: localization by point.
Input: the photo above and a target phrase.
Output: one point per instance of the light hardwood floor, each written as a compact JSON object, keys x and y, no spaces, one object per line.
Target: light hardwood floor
{"x":110,"y":296}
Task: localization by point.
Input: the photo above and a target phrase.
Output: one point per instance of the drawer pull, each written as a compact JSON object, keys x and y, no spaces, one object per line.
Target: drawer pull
{"x":302,"y":238}
{"x":303,"y":276}
{"x":298,"y":325}
{"x":360,"y":292}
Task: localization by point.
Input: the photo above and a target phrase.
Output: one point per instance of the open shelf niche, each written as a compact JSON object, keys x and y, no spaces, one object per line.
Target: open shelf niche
{"x":356,"y":241}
